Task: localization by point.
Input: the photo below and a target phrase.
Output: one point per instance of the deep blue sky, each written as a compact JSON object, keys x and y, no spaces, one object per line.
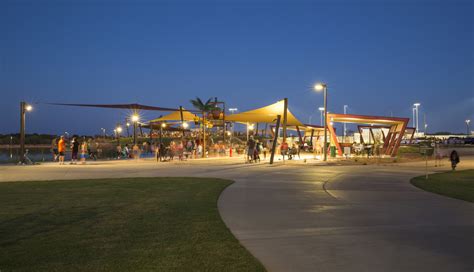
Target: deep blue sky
{"x":379,"y":58}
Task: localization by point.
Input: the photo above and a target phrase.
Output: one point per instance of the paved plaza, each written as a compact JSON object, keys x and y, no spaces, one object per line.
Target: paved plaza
{"x":298,"y":216}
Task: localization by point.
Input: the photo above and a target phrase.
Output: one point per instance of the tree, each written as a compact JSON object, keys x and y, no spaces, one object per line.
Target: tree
{"x":205,"y":108}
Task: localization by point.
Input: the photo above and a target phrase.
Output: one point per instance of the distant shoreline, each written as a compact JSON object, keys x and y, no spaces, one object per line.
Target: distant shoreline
{"x":15,"y":146}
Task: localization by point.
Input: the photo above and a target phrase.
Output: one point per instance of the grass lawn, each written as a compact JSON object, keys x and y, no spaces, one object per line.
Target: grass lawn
{"x":456,"y":184}
{"x":133,"y":224}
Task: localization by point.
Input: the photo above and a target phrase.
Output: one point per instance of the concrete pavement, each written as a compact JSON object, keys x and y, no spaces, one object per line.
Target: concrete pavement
{"x":299,"y":217}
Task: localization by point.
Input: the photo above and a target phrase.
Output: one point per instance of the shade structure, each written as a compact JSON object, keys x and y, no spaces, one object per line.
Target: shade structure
{"x":176,"y":116}
{"x":267,"y":114}
{"x":397,"y":127}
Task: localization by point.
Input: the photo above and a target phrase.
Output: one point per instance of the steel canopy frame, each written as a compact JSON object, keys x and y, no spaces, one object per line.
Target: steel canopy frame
{"x":397,"y":127}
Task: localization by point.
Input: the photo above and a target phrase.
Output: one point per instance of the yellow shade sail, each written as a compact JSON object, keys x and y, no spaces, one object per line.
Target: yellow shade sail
{"x":176,"y":116}
{"x":267,"y":114}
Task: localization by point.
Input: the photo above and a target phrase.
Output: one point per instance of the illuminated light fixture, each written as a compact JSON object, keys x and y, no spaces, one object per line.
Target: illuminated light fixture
{"x":321,"y":108}
{"x":251,"y":126}
{"x":229,"y":133}
{"x":135,"y":118}
{"x":185,"y":125}
{"x":319,"y":86}
{"x":119,"y":129}
{"x":163,"y":125}
{"x":28,"y":107}
{"x":128,"y":124}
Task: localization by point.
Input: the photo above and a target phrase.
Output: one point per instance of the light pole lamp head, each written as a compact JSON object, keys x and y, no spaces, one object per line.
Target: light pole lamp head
{"x":119,"y":129}
{"x":28,"y":107}
{"x":135,"y":118}
{"x":321,"y":108}
{"x":185,"y":125}
{"x":416,"y":104}
{"x":468,"y":121}
{"x":163,"y":125}
{"x":319,"y":86}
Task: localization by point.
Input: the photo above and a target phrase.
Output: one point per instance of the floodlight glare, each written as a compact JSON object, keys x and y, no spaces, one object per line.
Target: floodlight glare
{"x":28,"y":108}
{"x":185,"y":125}
{"x":119,"y":129}
{"x":163,"y":125}
{"x":321,"y":108}
{"x":135,"y":118}
{"x":319,"y":86}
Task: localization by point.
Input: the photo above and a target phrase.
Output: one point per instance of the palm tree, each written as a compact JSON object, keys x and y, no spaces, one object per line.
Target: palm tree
{"x":204,"y":108}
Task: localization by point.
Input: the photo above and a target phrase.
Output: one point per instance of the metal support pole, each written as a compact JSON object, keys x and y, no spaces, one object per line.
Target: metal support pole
{"x":203,"y":135}
{"x":325,"y":123}
{"x":275,"y":138}
{"x":134,"y":133}
{"x":182,"y":119}
{"x":22,"y":131}
{"x":285,"y":117}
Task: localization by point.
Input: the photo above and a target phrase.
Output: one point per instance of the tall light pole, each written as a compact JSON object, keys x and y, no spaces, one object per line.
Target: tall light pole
{"x":118,"y":130}
{"x":323,"y":87}
{"x":321,"y":109}
{"x":414,"y":117}
{"x":417,"y":105}
{"x":468,"y":132}
{"x":103,"y":132}
{"x":24,"y":107}
{"x":135,"y":118}
{"x":128,"y":131}
{"x":345,"y":129}
{"x":249,"y":127}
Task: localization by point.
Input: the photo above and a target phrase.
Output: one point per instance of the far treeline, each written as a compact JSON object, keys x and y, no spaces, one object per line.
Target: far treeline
{"x":30,"y":139}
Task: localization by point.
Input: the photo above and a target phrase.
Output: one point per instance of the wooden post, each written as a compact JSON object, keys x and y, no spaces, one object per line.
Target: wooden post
{"x":285,"y":117}
{"x":275,"y":138}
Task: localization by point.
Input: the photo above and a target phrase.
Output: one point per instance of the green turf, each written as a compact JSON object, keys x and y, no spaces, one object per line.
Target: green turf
{"x":456,"y":184}
{"x":135,"y":224}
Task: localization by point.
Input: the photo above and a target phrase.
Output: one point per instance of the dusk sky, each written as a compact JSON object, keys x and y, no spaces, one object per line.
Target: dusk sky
{"x":378,"y":58}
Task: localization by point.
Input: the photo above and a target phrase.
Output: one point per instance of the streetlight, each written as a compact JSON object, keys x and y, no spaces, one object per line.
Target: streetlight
{"x":135,"y":118}
{"x":24,"y":107}
{"x":185,"y":125}
{"x":416,"y":105}
{"x":233,"y":110}
{"x":118,"y":130}
{"x":323,"y":87}
{"x":162,"y":126}
{"x":321,"y":109}
{"x":128,"y":126}
{"x":467,"y":127}
{"x":249,"y":127}
{"x":103,"y":132}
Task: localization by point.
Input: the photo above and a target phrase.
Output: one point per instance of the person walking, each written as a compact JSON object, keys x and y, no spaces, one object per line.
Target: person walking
{"x":84,"y":150}
{"x":454,"y":158}
{"x":61,"y":150}
{"x":74,"y":150}
{"x":284,"y":149}
{"x":54,"y":149}
{"x":250,"y":149}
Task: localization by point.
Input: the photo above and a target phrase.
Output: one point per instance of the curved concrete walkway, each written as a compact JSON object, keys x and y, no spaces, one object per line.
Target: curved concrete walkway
{"x":300,"y":217}
{"x":349,"y":218}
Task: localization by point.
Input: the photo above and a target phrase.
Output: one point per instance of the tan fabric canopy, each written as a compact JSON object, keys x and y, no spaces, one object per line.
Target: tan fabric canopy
{"x":267,"y":114}
{"x":176,"y":116}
